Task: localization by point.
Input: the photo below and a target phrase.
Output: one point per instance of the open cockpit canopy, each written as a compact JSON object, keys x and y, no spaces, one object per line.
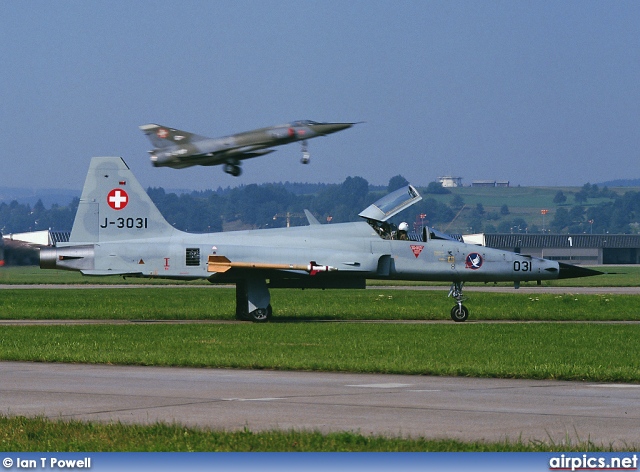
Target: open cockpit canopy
{"x":391,"y":204}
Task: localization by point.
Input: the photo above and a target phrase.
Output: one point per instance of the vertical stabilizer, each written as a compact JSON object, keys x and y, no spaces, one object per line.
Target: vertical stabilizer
{"x":163,"y":137}
{"x":115,"y":207}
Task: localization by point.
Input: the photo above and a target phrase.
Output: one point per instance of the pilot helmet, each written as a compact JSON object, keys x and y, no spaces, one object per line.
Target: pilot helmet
{"x":403,"y":226}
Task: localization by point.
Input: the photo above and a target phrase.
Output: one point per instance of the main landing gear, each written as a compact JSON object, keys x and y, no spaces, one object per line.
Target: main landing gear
{"x":459,"y":312}
{"x":253,"y":300}
{"x":233,"y":169}
{"x":259,"y":315}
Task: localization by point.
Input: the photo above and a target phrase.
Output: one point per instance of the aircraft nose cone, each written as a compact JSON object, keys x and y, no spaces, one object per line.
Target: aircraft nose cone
{"x":328,"y":128}
{"x":568,"y":271}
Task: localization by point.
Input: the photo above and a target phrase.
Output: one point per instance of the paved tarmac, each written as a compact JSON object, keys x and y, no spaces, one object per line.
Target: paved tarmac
{"x":468,"y":409}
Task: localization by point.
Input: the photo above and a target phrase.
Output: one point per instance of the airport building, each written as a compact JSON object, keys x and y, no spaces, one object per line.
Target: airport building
{"x":586,"y":249}
{"x":450,"y":182}
{"x":490,"y":183}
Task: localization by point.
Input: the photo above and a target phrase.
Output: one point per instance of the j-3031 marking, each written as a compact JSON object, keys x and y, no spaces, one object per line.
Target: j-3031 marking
{"x":137,"y":223}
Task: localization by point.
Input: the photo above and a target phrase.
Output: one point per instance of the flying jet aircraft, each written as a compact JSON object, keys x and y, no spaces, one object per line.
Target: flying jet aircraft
{"x":179,"y":149}
{"x":119,"y":231}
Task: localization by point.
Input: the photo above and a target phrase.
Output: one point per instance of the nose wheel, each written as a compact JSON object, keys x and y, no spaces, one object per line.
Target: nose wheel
{"x":305,"y":153}
{"x":459,"y":312}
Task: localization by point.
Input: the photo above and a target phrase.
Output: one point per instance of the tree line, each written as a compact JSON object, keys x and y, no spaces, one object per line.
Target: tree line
{"x":278,"y":204}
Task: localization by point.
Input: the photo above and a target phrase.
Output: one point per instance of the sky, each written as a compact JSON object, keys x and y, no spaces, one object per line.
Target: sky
{"x":540,"y":93}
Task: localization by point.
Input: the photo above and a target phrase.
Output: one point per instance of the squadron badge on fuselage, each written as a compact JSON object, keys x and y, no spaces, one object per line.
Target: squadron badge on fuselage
{"x":473,"y":261}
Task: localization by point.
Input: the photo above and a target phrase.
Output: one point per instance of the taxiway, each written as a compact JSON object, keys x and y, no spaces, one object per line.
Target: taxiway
{"x":469,"y":409}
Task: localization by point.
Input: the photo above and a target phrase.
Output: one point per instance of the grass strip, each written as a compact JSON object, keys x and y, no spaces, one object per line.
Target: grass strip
{"x":568,"y":351}
{"x":20,"y":434}
{"x":214,"y":303}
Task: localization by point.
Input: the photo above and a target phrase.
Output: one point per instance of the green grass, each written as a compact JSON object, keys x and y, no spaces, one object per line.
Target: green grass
{"x":568,"y":351}
{"x":20,"y":434}
{"x":215,"y":303}
{"x":299,"y":339}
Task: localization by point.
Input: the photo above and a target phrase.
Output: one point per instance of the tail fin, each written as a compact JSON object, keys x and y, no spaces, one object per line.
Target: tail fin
{"x":163,"y":137}
{"x":115,"y":207}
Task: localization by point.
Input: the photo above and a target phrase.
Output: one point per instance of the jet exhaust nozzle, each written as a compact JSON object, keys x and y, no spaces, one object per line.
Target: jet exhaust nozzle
{"x":48,"y":258}
{"x":68,"y":258}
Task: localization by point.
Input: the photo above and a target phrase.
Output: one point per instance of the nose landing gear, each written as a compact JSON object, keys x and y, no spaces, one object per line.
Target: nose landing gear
{"x":305,"y":153}
{"x":459,"y":312}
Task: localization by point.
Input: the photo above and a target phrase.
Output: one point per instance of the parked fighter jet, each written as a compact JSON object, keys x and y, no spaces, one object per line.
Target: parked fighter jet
{"x":178,"y":149}
{"x":119,"y":231}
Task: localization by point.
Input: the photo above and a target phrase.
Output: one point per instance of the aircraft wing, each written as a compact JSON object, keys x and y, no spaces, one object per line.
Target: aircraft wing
{"x":241,"y":154}
{"x":221,"y":157}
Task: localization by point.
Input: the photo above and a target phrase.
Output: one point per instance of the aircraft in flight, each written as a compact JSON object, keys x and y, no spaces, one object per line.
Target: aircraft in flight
{"x":119,"y":231}
{"x":179,"y":149}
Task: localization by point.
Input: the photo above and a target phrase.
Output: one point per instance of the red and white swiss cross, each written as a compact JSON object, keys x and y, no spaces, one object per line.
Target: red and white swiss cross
{"x":117,"y":199}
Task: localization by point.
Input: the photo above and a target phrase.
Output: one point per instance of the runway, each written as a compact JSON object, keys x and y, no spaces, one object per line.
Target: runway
{"x":468,"y":409}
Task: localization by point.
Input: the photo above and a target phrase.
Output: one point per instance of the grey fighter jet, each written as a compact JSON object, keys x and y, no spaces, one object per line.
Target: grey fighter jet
{"x":119,"y":231}
{"x":179,"y":149}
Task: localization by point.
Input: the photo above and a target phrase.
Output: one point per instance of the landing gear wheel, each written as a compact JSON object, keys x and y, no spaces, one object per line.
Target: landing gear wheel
{"x":459,"y":313}
{"x":305,"y":153}
{"x":232,"y":169}
{"x":261,"y":315}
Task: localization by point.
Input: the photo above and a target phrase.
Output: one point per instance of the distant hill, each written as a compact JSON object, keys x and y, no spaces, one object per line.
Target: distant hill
{"x":621,"y":183}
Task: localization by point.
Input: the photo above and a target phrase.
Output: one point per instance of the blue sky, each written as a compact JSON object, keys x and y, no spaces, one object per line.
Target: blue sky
{"x":535,"y":92}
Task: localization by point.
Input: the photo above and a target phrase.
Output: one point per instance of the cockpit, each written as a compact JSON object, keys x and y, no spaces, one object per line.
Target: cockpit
{"x":305,"y":123}
{"x":377,"y":215}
